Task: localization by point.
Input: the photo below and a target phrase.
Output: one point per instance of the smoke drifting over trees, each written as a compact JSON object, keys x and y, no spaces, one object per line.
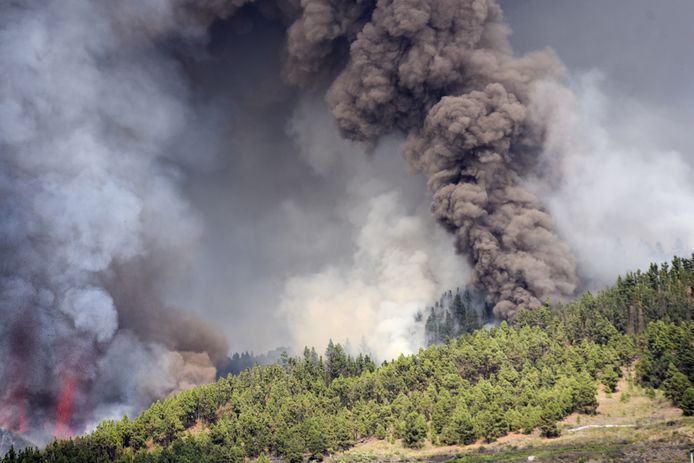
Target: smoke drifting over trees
{"x":443,"y":73}
{"x":147,"y":146}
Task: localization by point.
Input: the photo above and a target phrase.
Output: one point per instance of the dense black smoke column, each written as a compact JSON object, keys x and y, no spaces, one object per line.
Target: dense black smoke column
{"x":443,"y":72}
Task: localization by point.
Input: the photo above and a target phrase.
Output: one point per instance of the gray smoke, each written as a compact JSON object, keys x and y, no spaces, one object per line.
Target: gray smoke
{"x":91,"y":213}
{"x":617,"y":156}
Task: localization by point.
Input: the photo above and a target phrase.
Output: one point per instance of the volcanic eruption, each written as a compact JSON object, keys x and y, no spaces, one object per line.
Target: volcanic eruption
{"x":95,"y":213}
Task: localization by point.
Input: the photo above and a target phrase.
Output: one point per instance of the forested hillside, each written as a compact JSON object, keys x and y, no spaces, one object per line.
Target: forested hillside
{"x":521,"y":376}
{"x":662,"y":293}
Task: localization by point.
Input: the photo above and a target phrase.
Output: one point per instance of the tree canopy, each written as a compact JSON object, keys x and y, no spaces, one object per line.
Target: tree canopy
{"x":517,"y":376}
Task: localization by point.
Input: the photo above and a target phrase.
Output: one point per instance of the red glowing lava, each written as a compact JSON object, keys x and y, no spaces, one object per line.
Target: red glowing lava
{"x":66,"y":402}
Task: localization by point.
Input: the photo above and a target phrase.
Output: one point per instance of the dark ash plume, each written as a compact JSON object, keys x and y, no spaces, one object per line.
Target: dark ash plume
{"x":465,"y":149}
{"x":443,"y":73}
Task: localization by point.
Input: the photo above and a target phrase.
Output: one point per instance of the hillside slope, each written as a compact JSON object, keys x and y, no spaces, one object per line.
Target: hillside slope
{"x":630,"y":425}
{"x":519,"y":379}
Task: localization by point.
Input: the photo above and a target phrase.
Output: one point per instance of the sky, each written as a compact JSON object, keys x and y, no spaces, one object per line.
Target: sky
{"x":640,"y":44}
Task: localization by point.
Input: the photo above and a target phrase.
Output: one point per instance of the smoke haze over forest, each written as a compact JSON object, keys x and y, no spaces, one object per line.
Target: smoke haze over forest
{"x":181,"y":179}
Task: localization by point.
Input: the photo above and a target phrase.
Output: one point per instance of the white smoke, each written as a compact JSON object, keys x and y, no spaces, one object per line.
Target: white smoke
{"x":620,"y":199}
{"x":401,"y":260}
{"x":92,"y":311}
{"x":88,"y":108}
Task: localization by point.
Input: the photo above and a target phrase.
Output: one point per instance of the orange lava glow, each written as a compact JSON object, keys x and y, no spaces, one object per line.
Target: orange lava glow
{"x":66,"y":402}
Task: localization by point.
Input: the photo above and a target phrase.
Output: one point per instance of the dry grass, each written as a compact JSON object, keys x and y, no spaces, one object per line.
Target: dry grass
{"x":628,"y":426}
{"x":197,"y":428}
{"x":637,"y":409}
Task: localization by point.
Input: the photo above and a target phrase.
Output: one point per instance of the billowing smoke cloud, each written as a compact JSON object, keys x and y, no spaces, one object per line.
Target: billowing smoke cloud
{"x":518,"y":257}
{"x":443,"y":73}
{"x":620,"y":199}
{"x":88,"y":105}
{"x":618,"y":155}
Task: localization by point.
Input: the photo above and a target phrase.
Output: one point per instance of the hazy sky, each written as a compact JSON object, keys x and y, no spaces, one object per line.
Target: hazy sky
{"x":643,"y":47}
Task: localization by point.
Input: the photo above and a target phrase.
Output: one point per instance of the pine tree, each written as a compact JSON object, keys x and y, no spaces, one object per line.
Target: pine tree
{"x":610,"y":378}
{"x":459,"y":311}
{"x":675,"y":385}
{"x":415,"y":430}
{"x":687,"y":402}
{"x":460,"y":429}
{"x":380,"y":431}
